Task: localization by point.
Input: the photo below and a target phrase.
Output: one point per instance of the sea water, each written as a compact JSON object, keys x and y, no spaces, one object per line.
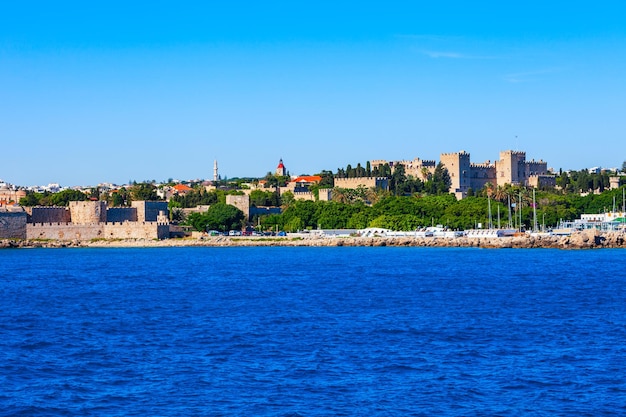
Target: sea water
{"x":275,"y":331}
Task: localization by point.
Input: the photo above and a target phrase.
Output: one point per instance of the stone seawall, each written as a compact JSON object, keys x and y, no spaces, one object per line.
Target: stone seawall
{"x":581,"y":240}
{"x":87,"y":232}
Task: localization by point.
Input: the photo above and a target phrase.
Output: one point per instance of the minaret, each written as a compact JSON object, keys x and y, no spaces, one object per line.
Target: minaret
{"x":215,"y":176}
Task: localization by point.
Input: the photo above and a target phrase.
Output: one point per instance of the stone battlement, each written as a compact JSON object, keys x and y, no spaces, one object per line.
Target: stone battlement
{"x":484,"y":165}
{"x":460,"y":153}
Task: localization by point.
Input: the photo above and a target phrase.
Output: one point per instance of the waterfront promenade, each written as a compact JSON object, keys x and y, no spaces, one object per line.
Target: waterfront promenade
{"x":577,"y":240}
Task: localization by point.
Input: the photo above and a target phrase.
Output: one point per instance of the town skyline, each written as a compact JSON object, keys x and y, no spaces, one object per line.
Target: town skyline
{"x":413,"y":168}
{"x":127,"y":91}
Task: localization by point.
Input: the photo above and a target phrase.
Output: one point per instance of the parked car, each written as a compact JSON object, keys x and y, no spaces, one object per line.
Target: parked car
{"x":213,"y":233}
{"x":281,"y":233}
{"x":234,"y":233}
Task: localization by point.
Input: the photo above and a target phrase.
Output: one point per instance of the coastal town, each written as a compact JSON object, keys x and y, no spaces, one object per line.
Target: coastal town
{"x":108,"y":214}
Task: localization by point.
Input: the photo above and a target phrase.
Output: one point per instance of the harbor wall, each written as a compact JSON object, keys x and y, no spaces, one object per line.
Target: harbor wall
{"x":113,"y":230}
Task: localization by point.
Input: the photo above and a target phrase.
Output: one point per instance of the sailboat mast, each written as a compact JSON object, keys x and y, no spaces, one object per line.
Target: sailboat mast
{"x":510,"y":221}
{"x":489,"y":211}
{"x":534,"y":213}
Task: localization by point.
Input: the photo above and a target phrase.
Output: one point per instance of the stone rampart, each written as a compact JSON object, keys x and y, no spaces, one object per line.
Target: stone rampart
{"x":87,"y":212}
{"x":325,"y":194}
{"x":367,"y":182}
{"x":242,"y":202}
{"x":123,"y":230}
{"x":12,"y":225}
{"x":136,"y":230}
{"x":304,"y":195}
{"x":63,"y":231}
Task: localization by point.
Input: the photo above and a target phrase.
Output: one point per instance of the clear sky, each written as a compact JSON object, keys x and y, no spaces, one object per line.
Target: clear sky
{"x":114,"y":91}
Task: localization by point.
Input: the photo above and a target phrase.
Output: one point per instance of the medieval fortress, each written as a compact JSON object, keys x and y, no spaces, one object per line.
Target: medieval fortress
{"x":86,"y":220}
{"x":512,"y":168}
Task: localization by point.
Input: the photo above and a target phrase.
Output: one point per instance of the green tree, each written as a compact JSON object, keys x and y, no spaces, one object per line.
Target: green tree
{"x":440,"y":181}
{"x":64,"y":197}
{"x":224,"y":217}
{"x":219,"y":216}
{"x":143,"y":192}
{"x":397,"y":180}
{"x":31,"y":199}
{"x":327,"y":181}
{"x":286,"y":199}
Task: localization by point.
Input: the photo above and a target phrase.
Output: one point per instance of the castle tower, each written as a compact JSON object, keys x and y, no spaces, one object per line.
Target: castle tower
{"x":281,"y":171}
{"x":511,"y":169}
{"x":88,"y":212}
{"x":458,"y":166}
{"x":215,"y":176}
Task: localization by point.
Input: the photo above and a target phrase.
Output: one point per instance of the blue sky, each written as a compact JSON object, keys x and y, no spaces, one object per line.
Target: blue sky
{"x":119,"y":91}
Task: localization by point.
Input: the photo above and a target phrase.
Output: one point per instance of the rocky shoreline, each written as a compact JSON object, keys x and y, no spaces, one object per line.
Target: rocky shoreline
{"x":577,"y":240}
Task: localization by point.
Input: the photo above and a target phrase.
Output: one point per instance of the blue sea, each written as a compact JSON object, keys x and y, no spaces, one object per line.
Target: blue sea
{"x":288,"y":331}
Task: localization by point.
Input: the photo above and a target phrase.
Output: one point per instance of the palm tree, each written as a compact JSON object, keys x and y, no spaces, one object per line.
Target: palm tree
{"x":340,"y":195}
{"x":489,"y":189}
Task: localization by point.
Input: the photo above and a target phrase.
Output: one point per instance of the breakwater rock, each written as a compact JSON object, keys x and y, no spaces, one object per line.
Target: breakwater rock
{"x":578,"y":240}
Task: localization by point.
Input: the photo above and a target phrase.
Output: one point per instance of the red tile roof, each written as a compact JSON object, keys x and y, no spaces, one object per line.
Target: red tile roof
{"x":182,"y":188}
{"x":308,"y":178}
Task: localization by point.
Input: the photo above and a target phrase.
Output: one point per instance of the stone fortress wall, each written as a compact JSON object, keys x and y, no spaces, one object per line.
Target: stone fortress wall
{"x":88,"y":212}
{"x":242,"y":202}
{"x":124,"y":230}
{"x":367,"y":182}
{"x":88,"y":220}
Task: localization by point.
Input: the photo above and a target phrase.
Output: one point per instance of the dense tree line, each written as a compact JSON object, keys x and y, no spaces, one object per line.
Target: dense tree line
{"x":220,"y":216}
{"x":46,"y":198}
{"x":583,"y":181}
{"x":421,"y":210}
{"x":399,"y":182}
{"x":198,"y":197}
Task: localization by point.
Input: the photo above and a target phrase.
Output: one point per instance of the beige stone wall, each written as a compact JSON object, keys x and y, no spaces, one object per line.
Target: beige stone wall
{"x":367,"y":182}
{"x":136,"y":230}
{"x":88,"y":212}
{"x":242,"y":202}
{"x":542,"y":181}
{"x":307,"y":196}
{"x":481,"y":174}
{"x":63,"y":231}
{"x":459,"y":169}
{"x":125,"y":230}
{"x":325,"y":194}
{"x":511,"y":168}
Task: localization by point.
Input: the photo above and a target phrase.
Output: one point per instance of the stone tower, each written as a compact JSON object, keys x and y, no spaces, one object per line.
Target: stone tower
{"x":458,"y":166}
{"x":281,"y":171}
{"x":88,"y":212}
{"x":215,"y":176}
{"x":510,"y":169}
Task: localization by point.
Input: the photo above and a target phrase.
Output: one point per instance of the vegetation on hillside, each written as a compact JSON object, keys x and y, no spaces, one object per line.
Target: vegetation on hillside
{"x":410,"y":202}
